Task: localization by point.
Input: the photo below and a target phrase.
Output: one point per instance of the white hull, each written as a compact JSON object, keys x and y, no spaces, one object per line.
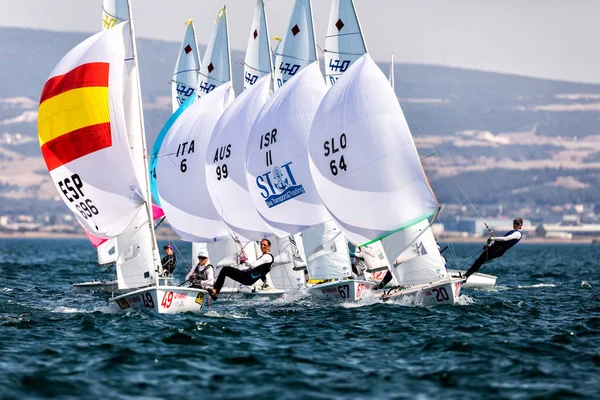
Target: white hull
{"x":95,"y":286}
{"x":441,"y":292}
{"x":348,"y":290}
{"x":272,"y":293}
{"x":477,"y":280}
{"x":164,"y":299}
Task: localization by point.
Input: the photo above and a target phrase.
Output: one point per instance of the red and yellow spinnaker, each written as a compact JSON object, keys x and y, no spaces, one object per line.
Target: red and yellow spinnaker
{"x":74,"y":116}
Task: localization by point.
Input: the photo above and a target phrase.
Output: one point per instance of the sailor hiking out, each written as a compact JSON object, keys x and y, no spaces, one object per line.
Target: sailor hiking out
{"x":255,"y":271}
{"x":497,"y":245}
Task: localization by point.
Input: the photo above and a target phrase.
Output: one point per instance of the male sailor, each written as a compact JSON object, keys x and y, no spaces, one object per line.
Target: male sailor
{"x":497,"y":245}
{"x":202,"y":276}
{"x":255,"y":271}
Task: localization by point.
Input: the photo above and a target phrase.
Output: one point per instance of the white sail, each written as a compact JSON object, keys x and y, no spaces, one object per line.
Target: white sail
{"x":392,"y":72}
{"x":216,"y":64}
{"x":298,"y":48}
{"x":344,"y":43}
{"x":107,"y":252}
{"x":278,"y":173}
{"x":415,"y":255}
{"x":285,"y":275}
{"x":83,"y":135}
{"x":363,"y":159}
{"x":182,"y":184}
{"x":225,"y":163}
{"x":135,"y":263}
{"x":258,"y":61}
{"x":187,"y":68}
{"x":114,"y":12}
{"x":326,"y":251}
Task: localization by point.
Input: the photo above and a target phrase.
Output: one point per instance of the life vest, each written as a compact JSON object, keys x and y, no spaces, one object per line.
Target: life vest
{"x":263,"y":270}
{"x":502,"y":247}
{"x":202,"y":273}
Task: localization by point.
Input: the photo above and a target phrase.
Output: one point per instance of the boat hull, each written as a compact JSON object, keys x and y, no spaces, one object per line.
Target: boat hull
{"x":441,"y":292}
{"x":164,"y":299}
{"x":95,"y":286}
{"x":477,"y":280}
{"x":349,"y":290}
{"x":261,"y":294}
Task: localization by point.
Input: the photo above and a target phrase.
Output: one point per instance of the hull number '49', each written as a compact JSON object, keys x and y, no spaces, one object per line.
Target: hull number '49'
{"x":148,"y":301}
{"x":167,"y":300}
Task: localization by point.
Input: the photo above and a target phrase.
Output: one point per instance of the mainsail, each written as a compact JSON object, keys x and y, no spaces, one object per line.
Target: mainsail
{"x":216,"y":64}
{"x":225,"y":163}
{"x":258,"y":61}
{"x":298,"y":48}
{"x":185,"y":75}
{"x":344,"y":43}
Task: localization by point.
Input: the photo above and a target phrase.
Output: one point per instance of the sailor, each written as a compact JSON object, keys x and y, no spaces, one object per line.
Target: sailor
{"x":358,"y":266}
{"x":497,"y":245}
{"x":169,"y":261}
{"x":202,"y":276}
{"x":254,"y":271}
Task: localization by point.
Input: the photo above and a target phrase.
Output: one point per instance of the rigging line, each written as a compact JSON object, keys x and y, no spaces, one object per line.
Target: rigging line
{"x":452,"y":175}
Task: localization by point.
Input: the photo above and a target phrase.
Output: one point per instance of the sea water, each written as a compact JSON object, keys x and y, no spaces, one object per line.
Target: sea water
{"x":536,"y":334}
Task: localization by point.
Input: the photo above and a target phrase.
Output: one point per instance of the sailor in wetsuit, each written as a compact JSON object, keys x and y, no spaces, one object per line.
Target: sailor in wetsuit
{"x":497,"y":246}
{"x":257,"y":270}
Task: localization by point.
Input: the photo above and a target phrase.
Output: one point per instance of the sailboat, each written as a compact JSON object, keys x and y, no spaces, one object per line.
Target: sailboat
{"x":92,"y":138}
{"x":297,"y":49}
{"x":344,"y":42}
{"x":185,"y":76}
{"x":107,"y":256}
{"x":369,"y":176}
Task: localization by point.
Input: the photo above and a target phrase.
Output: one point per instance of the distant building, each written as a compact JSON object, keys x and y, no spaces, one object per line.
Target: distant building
{"x":571,"y":225}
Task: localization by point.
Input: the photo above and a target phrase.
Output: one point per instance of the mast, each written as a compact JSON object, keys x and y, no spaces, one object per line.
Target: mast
{"x":146,"y":193}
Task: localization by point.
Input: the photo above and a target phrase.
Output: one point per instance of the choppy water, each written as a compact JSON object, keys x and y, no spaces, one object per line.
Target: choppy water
{"x":537,"y":335}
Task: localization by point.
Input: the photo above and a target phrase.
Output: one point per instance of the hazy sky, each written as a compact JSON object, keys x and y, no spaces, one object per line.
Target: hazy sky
{"x":558,"y":39}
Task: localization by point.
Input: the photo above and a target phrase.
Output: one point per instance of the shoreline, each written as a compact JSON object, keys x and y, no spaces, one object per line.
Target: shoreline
{"x":166,"y":236}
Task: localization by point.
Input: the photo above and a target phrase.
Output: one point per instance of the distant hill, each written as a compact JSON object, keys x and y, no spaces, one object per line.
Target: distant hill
{"x":494,"y":132}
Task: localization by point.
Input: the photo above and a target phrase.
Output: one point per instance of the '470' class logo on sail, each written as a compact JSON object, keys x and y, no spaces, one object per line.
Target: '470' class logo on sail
{"x":278,"y":185}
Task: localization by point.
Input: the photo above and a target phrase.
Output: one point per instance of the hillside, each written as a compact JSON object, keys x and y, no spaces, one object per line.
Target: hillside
{"x":507,"y":139}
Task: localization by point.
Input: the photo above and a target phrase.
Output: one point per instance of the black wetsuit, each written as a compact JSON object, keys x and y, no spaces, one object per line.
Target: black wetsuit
{"x":494,"y":251}
{"x":246,"y":277}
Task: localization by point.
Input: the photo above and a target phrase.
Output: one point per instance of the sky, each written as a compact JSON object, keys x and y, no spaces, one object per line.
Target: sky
{"x":555,"y":39}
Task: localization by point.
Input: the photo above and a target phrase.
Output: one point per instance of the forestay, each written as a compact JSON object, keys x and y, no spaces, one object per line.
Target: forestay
{"x":363,"y":159}
{"x":278,"y":173}
{"x":83,"y":135}
{"x":344,"y":42}
{"x":258,"y":61}
{"x":298,"y":48}
{"x":182,"y":184}
{"x":225,"y":163}
{"x":185,"y":75}
{"x":216,"y":64}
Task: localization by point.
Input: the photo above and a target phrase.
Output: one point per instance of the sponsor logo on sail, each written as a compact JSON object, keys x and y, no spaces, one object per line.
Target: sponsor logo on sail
{"x":278,"y":185}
